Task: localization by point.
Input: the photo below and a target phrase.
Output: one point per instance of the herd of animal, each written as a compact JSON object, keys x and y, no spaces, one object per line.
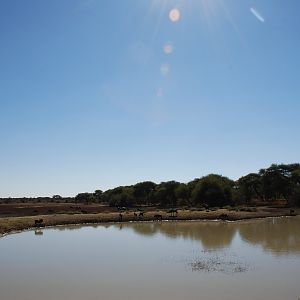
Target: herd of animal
{"x":137,"y":216}
{"x":173,"y":213}
{"x":140,"y":215}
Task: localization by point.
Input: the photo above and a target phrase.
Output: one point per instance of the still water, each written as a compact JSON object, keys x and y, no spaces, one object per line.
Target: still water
{"x":257,"y":259}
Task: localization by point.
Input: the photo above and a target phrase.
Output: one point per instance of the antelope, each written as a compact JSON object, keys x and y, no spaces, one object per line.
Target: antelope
{"x":39,"y":223}
{"x":173,"y":212}
{"x":120,"y":217}
{"x":157,"y":217}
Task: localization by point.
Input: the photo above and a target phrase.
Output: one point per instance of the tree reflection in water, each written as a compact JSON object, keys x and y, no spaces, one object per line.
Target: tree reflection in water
{"x":277,"y":235}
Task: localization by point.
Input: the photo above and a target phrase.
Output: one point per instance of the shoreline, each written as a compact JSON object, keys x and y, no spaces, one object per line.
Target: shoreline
{"x":12,"y":225}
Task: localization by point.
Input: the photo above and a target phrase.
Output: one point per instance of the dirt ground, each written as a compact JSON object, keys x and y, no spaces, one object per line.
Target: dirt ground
{"x":36,"y":209}
{"x":16,"y":217}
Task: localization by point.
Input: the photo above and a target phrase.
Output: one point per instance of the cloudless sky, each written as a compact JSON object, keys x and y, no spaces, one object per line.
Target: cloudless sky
{"x":90,"y":100}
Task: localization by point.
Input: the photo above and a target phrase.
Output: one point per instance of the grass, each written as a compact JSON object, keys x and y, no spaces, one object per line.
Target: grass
{"x":64,"y":217}
{"x":246,"y":209}
{"x":17,"y":223}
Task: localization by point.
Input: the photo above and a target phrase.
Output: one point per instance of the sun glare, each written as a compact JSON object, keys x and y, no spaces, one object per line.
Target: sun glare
{"x":168,"y":48}
{"x":174,"y":15}
{"x":257,"y":14}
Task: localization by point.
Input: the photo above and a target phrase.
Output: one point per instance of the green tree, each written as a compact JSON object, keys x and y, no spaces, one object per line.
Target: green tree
{"x":86,"y":198}
{"x":250,"y":187}
{"x":120,"y":196}
{"x":279,"y":181}
{"x":98,"y":194}
{"x":213,"y":190}
{"x":182,"y":194}
{"x":164,"y":194}
{"x":143,"y":192}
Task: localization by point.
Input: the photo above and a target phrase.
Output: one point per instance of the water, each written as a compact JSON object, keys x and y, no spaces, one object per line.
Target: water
{"x":257,"y":259}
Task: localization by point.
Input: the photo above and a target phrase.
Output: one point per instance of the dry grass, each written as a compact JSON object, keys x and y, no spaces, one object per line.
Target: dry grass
{"x":16,"y":223}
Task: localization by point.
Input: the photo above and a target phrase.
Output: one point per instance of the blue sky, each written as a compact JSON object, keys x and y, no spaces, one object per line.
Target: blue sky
{"x":90,"y":100}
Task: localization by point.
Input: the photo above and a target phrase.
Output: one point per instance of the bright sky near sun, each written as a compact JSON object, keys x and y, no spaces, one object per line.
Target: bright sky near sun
{"x":100,"y":93}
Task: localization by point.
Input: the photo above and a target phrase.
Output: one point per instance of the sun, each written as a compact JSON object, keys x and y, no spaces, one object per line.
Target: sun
{"x":174,"y":15}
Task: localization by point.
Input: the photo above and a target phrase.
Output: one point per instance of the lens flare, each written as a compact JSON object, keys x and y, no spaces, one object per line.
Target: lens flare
{"x":168,"y":48}
{"x":174,"y":15}
{"x":164,"y":69}
{"x":257,"y":14}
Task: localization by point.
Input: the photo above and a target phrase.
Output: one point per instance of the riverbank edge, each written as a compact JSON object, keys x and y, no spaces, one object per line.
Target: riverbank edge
{"x":14,"y":225}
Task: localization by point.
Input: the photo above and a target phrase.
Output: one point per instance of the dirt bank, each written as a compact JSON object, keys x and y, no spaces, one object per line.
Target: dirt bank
{"x":17,"y":223}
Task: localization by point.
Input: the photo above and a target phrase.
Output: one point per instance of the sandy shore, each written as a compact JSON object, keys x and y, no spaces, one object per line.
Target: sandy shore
{"x":12,"y":224}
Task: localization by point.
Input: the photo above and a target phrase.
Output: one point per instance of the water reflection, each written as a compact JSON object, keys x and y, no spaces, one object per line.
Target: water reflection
{"x":158,"y":260}
{"x":212,"y":235}
{"x":277,"y":235}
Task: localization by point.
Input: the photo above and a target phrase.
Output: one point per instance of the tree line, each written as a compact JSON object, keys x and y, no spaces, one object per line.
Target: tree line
{"x":278,"y":182}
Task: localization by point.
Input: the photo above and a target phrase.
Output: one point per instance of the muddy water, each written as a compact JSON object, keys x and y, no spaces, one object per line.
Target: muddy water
{"x":258,"y":259}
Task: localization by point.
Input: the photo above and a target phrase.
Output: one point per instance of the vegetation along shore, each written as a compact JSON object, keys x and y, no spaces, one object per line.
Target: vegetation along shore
{"x":274,"y":191}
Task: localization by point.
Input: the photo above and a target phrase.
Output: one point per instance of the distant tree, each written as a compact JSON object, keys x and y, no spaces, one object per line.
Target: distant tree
{"x":98,"y":194}
{"x":294,"y":195}
{"x":143,"y":192}
{"x":86,"y":198}
{"x":279,"y":181}
{"x":126,"y":197}
{"x":294,"y":198}
{"x":182,"y":194}
{"x":295,"y":174}
{"x":213,"y":190}
{"x":250,"y":187}
{"x":191,"y":186}
{"x":164,"y":194}
{"x":120,"y":196}
{"x":276,"y":182}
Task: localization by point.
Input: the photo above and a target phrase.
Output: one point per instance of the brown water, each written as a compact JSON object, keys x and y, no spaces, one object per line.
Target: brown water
{"x":258,"y":259}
